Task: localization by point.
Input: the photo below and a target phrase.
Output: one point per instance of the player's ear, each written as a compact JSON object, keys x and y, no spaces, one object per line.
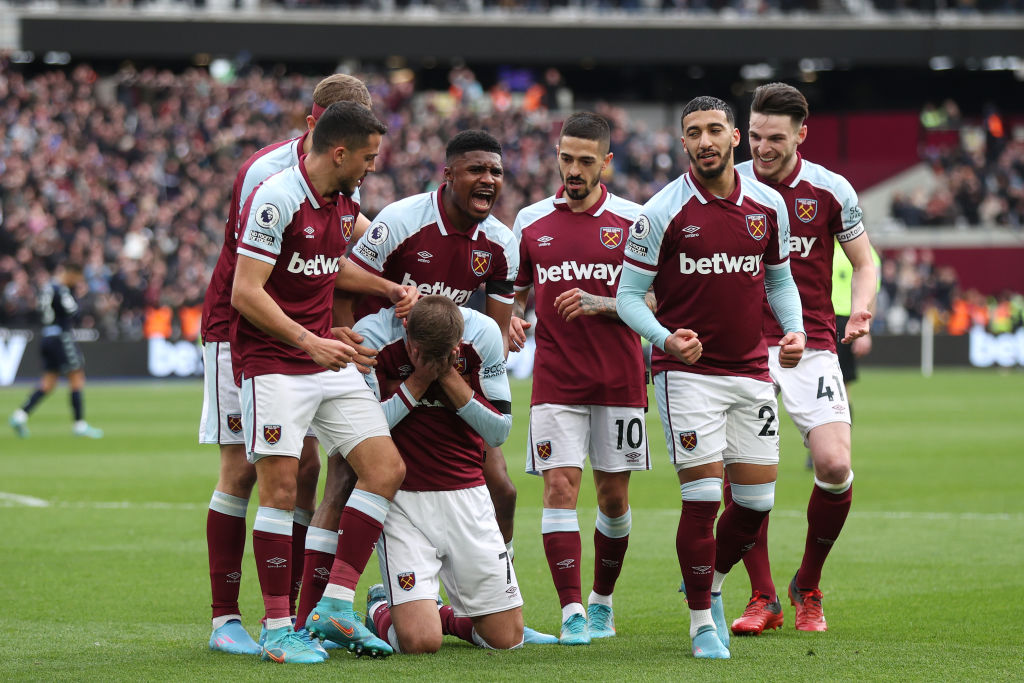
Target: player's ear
{"x":801,"y":134}
{"x":310,"y":122}
{"x":449,"y":175}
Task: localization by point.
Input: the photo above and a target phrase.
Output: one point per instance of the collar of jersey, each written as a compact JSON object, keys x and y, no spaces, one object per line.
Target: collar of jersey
{"x":703,"y":196}
{"x":562,"y":204}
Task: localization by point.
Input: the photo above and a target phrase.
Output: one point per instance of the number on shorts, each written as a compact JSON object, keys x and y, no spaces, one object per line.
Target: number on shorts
{"x":768,"y":415}
{"x":825,"y":390}
{"x":508,"y":566}
{"x":628,"y":430}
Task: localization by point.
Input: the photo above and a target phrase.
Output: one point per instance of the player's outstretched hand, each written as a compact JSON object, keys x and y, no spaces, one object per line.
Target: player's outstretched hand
{"x":572,"y":303}
{"x":366,"y":358}
{"x":330,"y":353}
{"x":791,"y":349}
{"x":517,"y":334}
{"x":403,"y":297}
{"x":684,"y":345}
{"x":861,"y":346}
{"x":858,"y":325}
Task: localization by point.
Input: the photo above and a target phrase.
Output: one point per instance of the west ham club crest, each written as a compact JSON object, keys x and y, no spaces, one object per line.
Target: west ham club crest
{"x":611,"y":237}
{"x":235,"y":423}
{"x":406,"y":580}
{"x":480,"y":262}
{"x":806,"y":209}
{"x":757,"y":225}
{"x":347,"y":224}
{"x":271,"y":433}
{"x":688,"y":439}
{"x":543,"y":450}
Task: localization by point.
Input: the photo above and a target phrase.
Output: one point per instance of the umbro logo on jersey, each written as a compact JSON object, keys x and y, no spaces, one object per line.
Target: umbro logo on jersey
{"x":691,"y":231}
{"x":424,"y":256}
{"x":545,"y":241}
{"x":310,"y":232}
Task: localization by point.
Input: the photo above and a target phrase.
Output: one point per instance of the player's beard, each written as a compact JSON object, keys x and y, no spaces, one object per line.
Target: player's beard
{"x":710,"y":173}
{"x":579,"y":194}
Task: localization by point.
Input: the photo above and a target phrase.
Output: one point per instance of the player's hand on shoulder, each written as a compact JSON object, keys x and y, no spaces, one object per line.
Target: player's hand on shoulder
{"x":517,"y":328}
{"x":332,"y":354}
{"x":365,"y":358}
{"x":404,"y":297}
{"x":791,"y":349}
{"x":684,"y":345}
{"x":857,"y":326}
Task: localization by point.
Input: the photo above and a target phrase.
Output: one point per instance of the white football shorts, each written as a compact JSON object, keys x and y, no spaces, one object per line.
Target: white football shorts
{"x":813,"y":392}
{"x":712,"y":418}
{"x":277,"y":411}
{"x":449,"y":537}
{"x":221,"y":421}
{"x":615,"y":437}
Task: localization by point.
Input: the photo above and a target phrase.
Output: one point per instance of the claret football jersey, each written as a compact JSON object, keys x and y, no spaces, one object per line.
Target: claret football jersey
{"x":821,"y":205}
{"x":707,"y":255}
{"x":592,"y":360}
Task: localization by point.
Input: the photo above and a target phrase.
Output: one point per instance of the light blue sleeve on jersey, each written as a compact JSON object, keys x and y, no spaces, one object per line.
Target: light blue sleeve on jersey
{"x":493,"y":427}
{"x":483,"y":335}
{"x":397,"y":407}
{"x":784,"y":298}
{"x":632,"y":306}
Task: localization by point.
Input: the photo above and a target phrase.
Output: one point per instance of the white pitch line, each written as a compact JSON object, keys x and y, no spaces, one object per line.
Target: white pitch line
{"x":9,"y":500}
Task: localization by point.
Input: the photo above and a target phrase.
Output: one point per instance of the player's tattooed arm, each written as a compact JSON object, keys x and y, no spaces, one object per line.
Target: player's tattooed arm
{"x":573,"y":303}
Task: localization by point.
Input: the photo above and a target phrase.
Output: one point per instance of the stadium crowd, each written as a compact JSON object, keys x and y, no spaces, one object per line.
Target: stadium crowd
{"x":979,"y":173}
{"x":130,"y":174}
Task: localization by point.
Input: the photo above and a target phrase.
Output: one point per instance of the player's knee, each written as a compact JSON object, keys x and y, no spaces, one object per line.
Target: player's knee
{"x":760,"y":497}
{"x":832,"y":465}
{"x":420,"y":642}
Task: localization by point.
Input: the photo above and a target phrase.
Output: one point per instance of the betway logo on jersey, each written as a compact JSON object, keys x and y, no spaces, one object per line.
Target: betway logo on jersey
{"x":801,"y":246}
{"x":459,"y":296}
{"x":571,"y":270}
{"x":719,"y":263}
{"x":318,"y":265}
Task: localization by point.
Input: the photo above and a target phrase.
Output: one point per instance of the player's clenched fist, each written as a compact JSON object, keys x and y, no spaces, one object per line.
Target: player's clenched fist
{"x":403,"y":297}
{"x":684,"y":345}
{"x":791,"y":349}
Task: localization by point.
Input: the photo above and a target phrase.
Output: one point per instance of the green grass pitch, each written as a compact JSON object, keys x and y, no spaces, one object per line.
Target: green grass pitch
{"x":104,"y":575}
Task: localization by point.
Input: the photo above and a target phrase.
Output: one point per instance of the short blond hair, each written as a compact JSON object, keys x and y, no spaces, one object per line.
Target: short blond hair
{"x":341,"y":88}
{"x":435,"y":325}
